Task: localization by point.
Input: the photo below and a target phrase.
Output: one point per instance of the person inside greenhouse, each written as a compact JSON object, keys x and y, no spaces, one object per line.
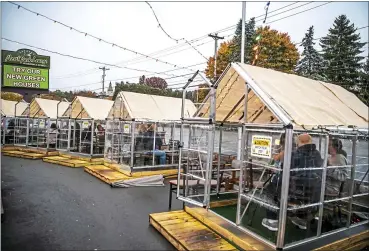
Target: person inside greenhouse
{"x":149,"y":143}
{"x":304,"y":187}
{"x":52,"y":137}
{"x":336,"y":176}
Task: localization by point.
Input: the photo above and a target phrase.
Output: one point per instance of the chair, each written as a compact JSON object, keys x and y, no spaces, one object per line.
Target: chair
{"x":337,"y":205}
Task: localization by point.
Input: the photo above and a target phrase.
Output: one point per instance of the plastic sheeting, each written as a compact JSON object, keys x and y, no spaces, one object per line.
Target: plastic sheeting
{"x":150,"y":107}
{"x":148,"y":181}
{"x":8,"y":108}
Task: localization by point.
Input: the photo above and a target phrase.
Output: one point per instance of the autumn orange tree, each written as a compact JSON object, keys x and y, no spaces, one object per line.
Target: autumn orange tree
{"x":276,"y":51}
{"x":223,"y":59}
{"x":12,"y":96}
{"x":202,"y":92}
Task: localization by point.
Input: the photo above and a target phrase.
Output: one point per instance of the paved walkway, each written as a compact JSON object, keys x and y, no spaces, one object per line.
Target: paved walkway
{"x":47,"y":207}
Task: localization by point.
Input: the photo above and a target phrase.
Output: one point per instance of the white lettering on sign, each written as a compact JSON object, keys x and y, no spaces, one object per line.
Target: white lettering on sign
{"x":27,"y":70}
{"x":32,"y":78}
{"x":26,"y":85}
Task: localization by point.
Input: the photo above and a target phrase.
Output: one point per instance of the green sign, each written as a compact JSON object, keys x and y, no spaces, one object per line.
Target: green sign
{"x":25,"y":77}
{"x":24,"y":68}
{"x":25,"y":57}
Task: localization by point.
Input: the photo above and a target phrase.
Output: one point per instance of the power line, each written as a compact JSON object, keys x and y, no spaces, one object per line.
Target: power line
{"x":218,"y":31}
{"x":135,"y":77}
{"x":99,"y":39}
{"x":222,"y":30}
{"x":230,"y":27}
{"x":198,"y":39}
{"x":298,"y":13}
{"x":80,"y":58}
{"x":166,"y":33}
{"x":322,"y":37}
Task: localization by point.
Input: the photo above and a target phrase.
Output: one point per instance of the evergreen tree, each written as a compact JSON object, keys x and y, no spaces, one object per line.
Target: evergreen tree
{"x":363,"y":88}
{"x":142,"y":80}
{"x":236,"y":41}
{"x":311,"y":64}
{"x":341,"y":53}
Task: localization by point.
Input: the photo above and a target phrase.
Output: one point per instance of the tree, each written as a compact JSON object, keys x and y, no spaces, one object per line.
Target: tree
{"x":85,"y":93}
{"x":249,"y":42}
{"x":223,"y":59}
{"x":202,"y":92}
{"x":311,"y":64}
{"x":156,"y":82}
{"x":276,"y":51}
{"x":12,"y":96}
{"x":142,"y":80}
{"x":341,"y":53}
{"x":363,"y":86}
{"x":146,"y":89}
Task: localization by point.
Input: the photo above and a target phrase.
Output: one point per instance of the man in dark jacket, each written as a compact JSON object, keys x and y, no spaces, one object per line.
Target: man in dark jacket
{"x":149,"y":143}
{"x":304,"y":185}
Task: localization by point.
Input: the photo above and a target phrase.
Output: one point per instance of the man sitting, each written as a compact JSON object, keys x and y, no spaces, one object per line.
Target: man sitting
{"x":149,"y":143}
{"x":304,"y":185}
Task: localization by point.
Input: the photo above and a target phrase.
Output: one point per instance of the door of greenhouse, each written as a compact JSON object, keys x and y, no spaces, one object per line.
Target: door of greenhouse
{"x":196,"y":158}
{"x":21,"y":131}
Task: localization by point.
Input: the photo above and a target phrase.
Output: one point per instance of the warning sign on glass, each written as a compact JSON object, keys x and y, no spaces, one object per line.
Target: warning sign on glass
{"x":261,"y":146}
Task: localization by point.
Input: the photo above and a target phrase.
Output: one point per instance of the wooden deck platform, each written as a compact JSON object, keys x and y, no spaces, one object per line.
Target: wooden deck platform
{"x":28,"y":153}
{"x":185,"y":232}
{"x":109,"y":175}
{"x":106,"y":174}
{"x":355,"y":242}
{"x":72,"y":161}
{"x":226,"y":229}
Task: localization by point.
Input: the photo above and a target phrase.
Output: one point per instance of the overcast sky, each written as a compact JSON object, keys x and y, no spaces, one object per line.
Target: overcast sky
{"x":133,"y":25}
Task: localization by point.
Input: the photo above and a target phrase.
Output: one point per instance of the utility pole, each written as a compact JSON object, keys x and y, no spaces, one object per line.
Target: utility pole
{"x":216,"y":38}
{"x":243,"y":37}
{"x":103,"y":78}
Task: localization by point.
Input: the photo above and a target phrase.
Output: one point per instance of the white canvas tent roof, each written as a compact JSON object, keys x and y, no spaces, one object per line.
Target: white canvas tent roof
{"x":40,"y":107}
{"x":286,"y":98}
{"x":150,"y":107}
{"x":93,"y":108}
{"x":8,"y":108}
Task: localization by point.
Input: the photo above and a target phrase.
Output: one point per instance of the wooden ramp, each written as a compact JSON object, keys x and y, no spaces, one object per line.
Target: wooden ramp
{"x":106,"y":174}
{"x":27,"y":153}
{"x":72,"y":162}
{"x":187,"y":233}
{"x":109,"y":173}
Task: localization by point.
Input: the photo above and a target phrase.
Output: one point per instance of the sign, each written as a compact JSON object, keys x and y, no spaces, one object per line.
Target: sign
{"x":25,"y":77}
{"x":25,"y":57}
{"x":25,"y":69}
{"x":85,"y":124}
{"x":41,"y":124}
{"x":261,"y":146}
{"x":126,"y":129}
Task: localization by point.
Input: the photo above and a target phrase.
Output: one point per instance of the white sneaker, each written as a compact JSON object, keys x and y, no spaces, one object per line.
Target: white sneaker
{"x":272,"y":225}
{"x":299,"y":222}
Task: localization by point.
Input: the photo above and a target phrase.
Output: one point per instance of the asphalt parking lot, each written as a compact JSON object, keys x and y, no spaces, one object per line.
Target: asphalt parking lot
{"x":49,"y":207}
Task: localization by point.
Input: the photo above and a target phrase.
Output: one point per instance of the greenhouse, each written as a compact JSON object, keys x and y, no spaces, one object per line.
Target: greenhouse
{"x":9,"y":110}
{"x":143,"y":131}
{"x":311,"y":135}
{"x":82,"y":126}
